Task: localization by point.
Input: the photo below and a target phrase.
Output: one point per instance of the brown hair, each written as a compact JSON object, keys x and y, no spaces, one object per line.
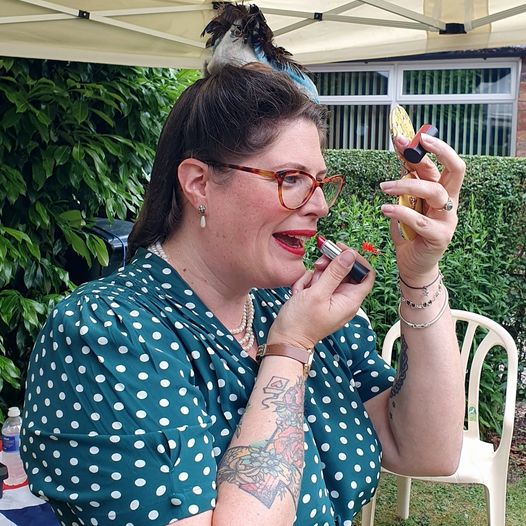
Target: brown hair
{"x":223,"y":117}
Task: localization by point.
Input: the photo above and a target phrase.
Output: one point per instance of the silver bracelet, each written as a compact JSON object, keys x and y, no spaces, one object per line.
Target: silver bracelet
{"x":425,"y":304}
{"x":428,"y":323}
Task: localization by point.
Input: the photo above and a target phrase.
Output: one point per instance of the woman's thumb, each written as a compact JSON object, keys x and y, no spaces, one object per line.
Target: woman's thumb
{"x":337,"y":269}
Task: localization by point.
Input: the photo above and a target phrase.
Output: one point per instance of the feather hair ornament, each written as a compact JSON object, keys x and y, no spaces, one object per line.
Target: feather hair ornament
{"x":240,"y":35}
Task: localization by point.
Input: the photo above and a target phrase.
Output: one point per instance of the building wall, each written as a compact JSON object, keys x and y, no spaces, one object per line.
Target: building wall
{"x":456,"y":93}
{"x":521,"y":115}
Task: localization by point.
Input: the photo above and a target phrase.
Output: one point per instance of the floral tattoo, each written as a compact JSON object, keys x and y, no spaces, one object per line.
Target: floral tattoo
{"x":402,"y":369}
{"x":400,"y":375}
{"x":272,"y":467}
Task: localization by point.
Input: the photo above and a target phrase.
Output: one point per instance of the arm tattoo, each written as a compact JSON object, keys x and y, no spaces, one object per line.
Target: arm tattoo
{"x":274,"y":389}
{"x":274,"y":466}
{"x":402,"y":369}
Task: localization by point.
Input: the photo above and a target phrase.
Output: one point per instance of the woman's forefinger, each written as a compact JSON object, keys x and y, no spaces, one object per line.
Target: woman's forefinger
{"x":454,"y":167}
{"x":426,"y":168}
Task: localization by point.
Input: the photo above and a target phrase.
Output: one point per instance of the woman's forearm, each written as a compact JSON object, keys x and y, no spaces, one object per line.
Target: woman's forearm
{"x":259,"y":477}
{"x":426,"y":402}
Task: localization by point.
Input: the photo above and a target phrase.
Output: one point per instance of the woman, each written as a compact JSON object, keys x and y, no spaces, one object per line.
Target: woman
{"x":145,"y":402}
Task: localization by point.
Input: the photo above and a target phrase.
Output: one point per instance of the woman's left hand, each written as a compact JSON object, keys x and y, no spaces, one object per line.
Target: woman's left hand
{"x":435,"y":226}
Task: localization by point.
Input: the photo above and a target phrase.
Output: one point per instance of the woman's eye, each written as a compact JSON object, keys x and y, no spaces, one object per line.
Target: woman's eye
{"x":292,"y":179}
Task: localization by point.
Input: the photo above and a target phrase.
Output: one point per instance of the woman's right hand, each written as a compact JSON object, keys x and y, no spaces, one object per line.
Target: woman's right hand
{"x":321,"y":301}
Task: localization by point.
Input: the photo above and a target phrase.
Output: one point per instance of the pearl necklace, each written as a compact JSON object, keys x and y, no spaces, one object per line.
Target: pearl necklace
{"x":245,"y":327}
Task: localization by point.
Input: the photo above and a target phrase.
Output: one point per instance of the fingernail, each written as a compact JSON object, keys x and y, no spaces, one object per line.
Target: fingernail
{"x":387,"y":209}
{"x":386,"y":185}
{"x":402,"y":140}
{"x":347,"y":258}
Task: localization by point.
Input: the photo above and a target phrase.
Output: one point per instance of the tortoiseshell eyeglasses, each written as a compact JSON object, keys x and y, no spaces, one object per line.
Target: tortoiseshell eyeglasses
{"x":295,"y":187}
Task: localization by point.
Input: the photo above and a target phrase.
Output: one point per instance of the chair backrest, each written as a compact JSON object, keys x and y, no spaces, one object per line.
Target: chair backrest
{"x":496,"y":336}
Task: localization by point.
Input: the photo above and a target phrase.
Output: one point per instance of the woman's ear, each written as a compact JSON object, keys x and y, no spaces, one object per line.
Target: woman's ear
{"x":193,"y":178}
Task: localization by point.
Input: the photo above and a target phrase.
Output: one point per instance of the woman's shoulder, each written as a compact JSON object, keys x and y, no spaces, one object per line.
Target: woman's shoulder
{"x":140,"y":283}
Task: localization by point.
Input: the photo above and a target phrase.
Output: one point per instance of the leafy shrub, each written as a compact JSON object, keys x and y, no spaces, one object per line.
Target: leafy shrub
{"x":76,"y":142}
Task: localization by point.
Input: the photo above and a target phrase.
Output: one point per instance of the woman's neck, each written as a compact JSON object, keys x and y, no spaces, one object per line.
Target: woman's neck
{"x":225,"y":299}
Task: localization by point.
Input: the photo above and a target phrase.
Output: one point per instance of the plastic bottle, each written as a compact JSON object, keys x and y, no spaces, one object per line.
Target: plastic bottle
{"x":11,"y":448}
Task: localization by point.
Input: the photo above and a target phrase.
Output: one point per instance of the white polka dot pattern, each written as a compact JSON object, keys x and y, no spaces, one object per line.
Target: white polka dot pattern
{"x":133,"y":381}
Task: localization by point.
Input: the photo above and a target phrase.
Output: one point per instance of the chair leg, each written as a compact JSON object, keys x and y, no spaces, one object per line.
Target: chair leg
{"x":403,"y":496}
{"x":368,"y":512}
{"x":496,"y":504}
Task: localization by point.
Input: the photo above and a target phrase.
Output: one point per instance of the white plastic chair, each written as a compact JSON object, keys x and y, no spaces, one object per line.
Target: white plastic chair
{"x":479,"y":462}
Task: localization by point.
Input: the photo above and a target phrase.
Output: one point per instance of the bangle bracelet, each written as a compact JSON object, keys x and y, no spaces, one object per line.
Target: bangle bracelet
{"x":425,"y":287}
{"x":425,"y":304}
{"x":428,"y":323}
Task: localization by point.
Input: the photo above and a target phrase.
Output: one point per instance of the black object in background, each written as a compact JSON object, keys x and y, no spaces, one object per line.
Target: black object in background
{"x":115,"y":236}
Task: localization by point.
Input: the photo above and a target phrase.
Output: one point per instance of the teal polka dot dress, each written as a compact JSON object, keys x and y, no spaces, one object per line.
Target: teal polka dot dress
{"x":135,"y":389}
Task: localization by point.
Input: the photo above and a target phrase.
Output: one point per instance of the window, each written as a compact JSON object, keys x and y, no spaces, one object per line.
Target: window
{"x":473,"y":105}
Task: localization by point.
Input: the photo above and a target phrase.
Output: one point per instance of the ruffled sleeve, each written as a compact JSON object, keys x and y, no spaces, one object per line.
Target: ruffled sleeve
{"x":115,"y":428}
{"x":370,"y":373}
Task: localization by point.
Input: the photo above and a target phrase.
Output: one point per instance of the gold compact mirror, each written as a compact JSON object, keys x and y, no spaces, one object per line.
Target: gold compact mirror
{"x":400,"y":124}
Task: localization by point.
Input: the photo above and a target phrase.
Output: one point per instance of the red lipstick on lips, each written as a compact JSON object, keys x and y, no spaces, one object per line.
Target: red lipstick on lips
{"x":358,"y":271}
{"x":296,"y":247}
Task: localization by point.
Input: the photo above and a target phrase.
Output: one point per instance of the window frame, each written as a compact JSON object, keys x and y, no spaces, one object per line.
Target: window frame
{"x":395,"y":71}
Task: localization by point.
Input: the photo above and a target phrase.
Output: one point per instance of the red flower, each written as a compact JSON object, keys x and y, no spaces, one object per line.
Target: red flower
{"x":369,"y":247}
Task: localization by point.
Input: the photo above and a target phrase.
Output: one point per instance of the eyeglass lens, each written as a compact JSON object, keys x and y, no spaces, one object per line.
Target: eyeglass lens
{"x":296,"y":188}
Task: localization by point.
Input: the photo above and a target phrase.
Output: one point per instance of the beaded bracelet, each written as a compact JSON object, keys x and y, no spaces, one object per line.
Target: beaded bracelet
{"x":425,"y":287}
{"x":429,"y":323}
{"x":425,"y":304}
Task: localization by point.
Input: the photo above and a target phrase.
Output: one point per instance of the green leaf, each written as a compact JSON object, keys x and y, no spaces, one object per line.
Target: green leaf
{"x":62,"y":154}
{"x":9,"y":305}
{"x":42,"y":117}
{"x":104,"y":117}
{"x":6,"y":63}
{"x":78,"y":152}
{"x":42,"y":129}
{"x":9,"y":372}
{"x":16,"y":97}
{"x":73,"y":218}
{"x":78,"y":244}
{"x":42,"y":213}
{"x":98,"y":248}
{"x":39,"y":174}
{"x":10,"y":118}
{"x":17,"y":234}
{"x":13,"y":183}
{"x":79,"y":110}
{"x":22,"y":237}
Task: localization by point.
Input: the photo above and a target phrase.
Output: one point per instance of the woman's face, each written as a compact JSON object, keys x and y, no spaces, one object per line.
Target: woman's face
{"x":255,"y":241}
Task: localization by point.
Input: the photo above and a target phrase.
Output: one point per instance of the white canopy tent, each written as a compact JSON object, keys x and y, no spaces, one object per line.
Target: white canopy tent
{"x":167,"y":32}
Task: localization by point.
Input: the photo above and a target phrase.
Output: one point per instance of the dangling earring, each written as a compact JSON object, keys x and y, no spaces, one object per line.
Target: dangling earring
{"x":202,"y":209}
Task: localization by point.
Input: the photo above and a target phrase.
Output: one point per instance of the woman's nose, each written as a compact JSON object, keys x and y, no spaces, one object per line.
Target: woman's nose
{"x":317,"y":203}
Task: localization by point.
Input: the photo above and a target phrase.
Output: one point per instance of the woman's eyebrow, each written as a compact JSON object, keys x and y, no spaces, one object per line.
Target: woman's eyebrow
{"x":298,"y":166}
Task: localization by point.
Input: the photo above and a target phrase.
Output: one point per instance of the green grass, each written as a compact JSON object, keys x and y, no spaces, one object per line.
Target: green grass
{"x":434,"y":504}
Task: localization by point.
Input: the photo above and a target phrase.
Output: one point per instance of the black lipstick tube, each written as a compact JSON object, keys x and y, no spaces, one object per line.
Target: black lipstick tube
{"x":358,"y":271}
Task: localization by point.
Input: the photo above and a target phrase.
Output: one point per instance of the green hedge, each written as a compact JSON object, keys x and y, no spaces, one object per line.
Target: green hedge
{"x":76,"y":142}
